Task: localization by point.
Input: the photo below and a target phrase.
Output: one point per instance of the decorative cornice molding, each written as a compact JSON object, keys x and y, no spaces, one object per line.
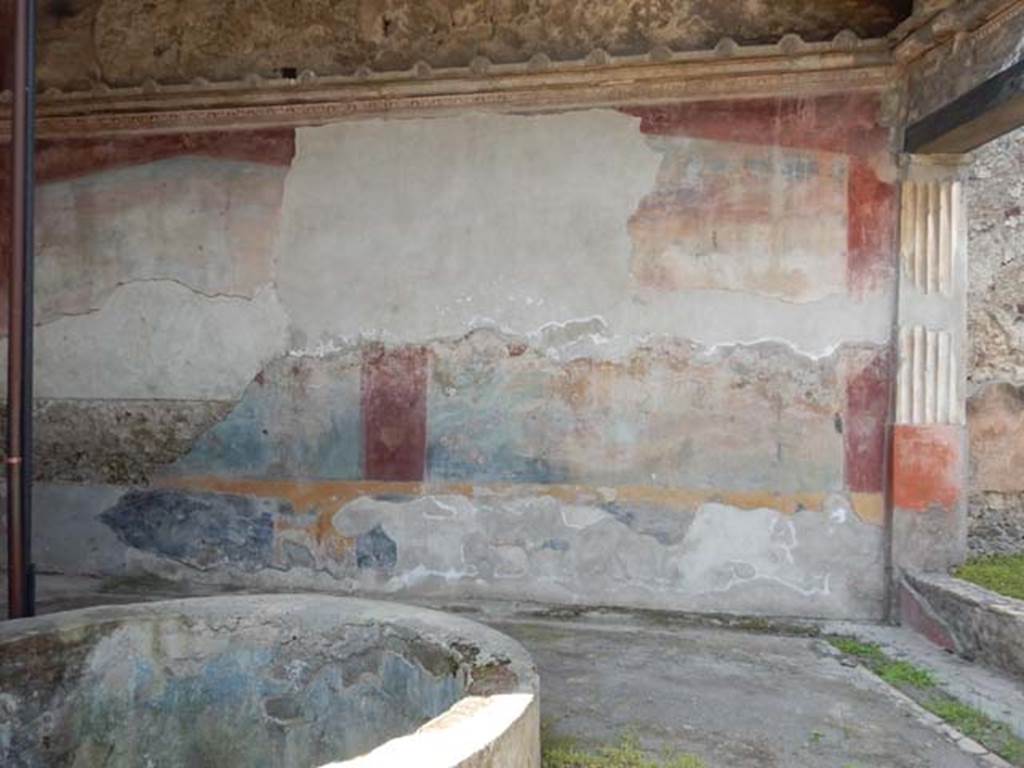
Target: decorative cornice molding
{"x":789,"y":67}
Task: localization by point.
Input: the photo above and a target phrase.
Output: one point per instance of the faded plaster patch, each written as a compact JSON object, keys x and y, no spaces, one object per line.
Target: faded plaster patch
{"x":674,"y":552}
{"x":523,"y":224}
{"x":815,"y":562}
{"x":666,"y":415}
{"x":729,"y":547}
{"x":488,"y":207}
{"x":161,"y":340}
{"x":742,"y":217}
{"x":995,"y":418}
{"x":579,"y":517}
{"x":299,"y":417}
{"x":209,"y":224}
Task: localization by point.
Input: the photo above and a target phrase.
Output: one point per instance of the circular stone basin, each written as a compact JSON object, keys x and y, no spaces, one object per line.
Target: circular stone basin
{"x":276,"y":680}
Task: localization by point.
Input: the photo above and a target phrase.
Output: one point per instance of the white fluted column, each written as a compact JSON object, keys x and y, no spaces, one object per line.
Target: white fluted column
{"x":928,"y":437}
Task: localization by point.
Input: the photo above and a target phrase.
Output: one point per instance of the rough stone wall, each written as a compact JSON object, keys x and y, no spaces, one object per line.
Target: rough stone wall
{"x":624,"y":357}
{"x":996,"y":330}
{"x":115,"y":42}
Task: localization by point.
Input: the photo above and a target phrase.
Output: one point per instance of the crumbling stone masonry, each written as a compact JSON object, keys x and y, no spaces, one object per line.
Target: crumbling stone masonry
{"x":996,"y":330}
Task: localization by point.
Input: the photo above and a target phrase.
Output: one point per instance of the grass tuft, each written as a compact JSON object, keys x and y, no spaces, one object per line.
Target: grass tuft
{"x":996,"y":736}
{"x":1000,"y":573}
{"x":854,"y":647}
{"x":903,"y":672}
{"x":898,"y":673}
{"x":919,"y":685}
{"x":565,"y":753}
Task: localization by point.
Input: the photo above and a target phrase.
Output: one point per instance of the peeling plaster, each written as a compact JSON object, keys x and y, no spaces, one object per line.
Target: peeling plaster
{"x":449,"y":259}
{"x":499,"y":410}
{"x":713,"y":556}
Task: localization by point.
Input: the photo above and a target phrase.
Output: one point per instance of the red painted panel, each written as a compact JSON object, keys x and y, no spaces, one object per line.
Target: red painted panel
{"x":67,"y":158}
{"x":927,"y":466}
{"x":867,"y":412}
{"x":394,"y":401}
{"x":846,"y":124}
{"x":871,"y":231}
{"x":842,"y":123}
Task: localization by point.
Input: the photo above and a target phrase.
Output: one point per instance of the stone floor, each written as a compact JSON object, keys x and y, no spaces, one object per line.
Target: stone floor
{"x":759,"y":696}
{"x":733,"y":698}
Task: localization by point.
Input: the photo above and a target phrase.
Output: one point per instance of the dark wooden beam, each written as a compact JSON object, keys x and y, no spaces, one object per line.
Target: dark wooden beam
{"x":985,"y":112}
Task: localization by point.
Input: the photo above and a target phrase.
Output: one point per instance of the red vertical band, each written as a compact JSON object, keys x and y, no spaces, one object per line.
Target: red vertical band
{"x":394,"y":383}
{"x":871,"y":228}
{"x":867,"y":411}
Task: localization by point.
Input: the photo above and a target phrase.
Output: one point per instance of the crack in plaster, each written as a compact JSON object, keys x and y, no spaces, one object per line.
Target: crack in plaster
{"x":173,"y":343}
{"x":119,"y":285}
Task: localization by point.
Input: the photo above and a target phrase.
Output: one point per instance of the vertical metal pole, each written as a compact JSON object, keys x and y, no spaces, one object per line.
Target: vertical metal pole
{"x":20,"y":577}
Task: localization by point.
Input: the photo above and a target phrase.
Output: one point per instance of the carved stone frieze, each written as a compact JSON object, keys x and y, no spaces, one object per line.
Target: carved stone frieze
{"x":790,"y":67}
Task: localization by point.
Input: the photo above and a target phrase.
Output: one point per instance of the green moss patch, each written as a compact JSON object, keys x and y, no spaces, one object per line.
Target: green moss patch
{"x":1000,"y":573}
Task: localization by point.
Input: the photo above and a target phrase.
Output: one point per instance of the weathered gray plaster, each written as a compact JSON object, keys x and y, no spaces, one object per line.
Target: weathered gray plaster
{"x":67,"y":535}
{"x":244,"y":681}
{"x":715,"y":557}
{"x":467,"y":240}
{"x":471,"y":218}
{"x":160,"y":340}
{"x":932,"y":540}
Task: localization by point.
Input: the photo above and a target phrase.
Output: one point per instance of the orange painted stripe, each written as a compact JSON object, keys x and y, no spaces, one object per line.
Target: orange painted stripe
{"x":327,"y":496}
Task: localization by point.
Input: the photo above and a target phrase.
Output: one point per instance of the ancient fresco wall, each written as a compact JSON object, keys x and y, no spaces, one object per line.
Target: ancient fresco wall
{"x":996,"y":329}
{"x":621,"y":357}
